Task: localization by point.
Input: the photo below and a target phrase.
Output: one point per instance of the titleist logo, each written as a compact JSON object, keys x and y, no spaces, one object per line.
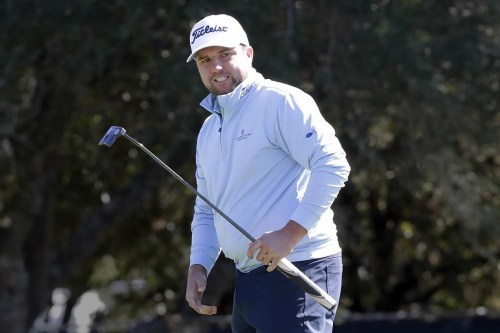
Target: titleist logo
{"x":206,"y":30}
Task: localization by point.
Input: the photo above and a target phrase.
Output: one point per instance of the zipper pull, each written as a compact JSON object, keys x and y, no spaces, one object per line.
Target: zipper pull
{"x":221,"y":119}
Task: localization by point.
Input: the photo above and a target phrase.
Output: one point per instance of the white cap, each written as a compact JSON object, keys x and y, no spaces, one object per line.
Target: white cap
{"x":216,"y":30}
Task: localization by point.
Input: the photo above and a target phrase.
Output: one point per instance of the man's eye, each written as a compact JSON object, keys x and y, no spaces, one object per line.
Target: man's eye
{"x":225,"y":54}
{"x":203,"y":60}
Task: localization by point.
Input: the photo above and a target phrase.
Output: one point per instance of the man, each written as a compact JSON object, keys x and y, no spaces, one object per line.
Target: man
{"x":269,"y":160}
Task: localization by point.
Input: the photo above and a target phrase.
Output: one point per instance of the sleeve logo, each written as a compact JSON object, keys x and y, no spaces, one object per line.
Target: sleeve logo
{"x":308,"y":135}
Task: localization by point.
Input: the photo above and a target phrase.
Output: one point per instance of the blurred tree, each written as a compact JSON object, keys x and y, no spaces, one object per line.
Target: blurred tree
{"x":410,"y":86}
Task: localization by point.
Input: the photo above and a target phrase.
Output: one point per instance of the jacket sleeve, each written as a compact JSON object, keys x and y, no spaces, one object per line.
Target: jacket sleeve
{"x":205,"y":248}
{"x":303,"y":133}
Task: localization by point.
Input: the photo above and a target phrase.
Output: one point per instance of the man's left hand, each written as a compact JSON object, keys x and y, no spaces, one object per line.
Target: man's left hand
{"x":276,"y":245}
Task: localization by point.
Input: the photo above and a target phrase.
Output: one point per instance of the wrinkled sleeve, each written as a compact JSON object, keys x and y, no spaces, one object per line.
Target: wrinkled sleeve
{"x":303,"y":133}
{"x":205,"y":248}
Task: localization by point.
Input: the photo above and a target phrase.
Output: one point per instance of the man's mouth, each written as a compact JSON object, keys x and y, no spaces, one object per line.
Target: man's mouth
{"x":221,"y":78}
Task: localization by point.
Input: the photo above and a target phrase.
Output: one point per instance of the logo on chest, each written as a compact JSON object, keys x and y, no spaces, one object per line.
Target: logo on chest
{"x":243,"y":135}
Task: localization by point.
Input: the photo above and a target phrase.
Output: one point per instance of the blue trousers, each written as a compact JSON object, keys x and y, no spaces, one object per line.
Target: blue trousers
{"x":271,"y":303}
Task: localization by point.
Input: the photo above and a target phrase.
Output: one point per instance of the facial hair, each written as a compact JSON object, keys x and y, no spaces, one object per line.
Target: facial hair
{"x":237,"y":79}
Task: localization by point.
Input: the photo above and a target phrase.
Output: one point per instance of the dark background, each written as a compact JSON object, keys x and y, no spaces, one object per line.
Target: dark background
{"x":411,"y":87}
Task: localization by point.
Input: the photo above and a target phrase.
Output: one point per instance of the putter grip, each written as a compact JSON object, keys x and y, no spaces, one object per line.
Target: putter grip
{"x":318,"y":294}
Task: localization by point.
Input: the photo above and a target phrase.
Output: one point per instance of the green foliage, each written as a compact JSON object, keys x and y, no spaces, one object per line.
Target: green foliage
{"x":410,"y":86}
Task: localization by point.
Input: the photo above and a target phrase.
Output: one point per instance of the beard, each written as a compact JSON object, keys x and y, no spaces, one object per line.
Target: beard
{"x":226,"y":87}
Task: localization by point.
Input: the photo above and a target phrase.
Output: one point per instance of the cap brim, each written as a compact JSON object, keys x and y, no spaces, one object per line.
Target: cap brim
{"x":209,"y":44}
{"x":191,"y":56}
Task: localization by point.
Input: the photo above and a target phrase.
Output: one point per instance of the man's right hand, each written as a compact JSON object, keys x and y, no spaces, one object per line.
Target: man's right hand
{"x":196,"y":285}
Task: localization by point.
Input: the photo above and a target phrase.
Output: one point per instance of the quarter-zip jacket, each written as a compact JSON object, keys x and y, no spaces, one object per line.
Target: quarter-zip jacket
{"x":264,"y":157}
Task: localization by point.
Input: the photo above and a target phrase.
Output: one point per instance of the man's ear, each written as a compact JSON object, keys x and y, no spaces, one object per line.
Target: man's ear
{"x":249,"y":52}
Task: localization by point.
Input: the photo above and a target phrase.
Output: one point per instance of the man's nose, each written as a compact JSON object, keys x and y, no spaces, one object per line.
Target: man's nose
{"x":216,"y":65}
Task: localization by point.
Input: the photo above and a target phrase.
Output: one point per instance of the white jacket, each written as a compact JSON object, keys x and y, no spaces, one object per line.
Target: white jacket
{"x":265,"y":156}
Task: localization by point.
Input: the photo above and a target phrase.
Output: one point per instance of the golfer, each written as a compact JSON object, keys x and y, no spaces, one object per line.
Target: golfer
{"x":269,"y":160}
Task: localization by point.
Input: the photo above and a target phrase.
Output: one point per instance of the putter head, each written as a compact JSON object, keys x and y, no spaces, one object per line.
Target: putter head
{"x":109,"y":138}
